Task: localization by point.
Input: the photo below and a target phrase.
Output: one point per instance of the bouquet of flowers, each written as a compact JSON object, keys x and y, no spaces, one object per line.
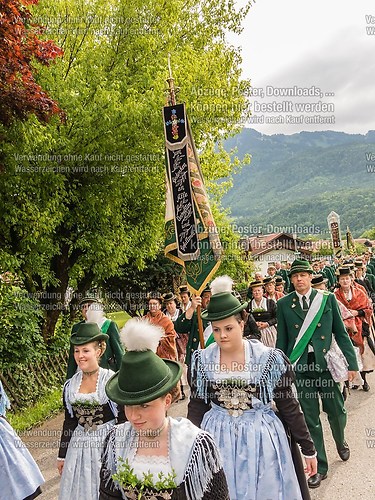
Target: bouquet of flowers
{"x":148,"y":488}
{"x":258,"y":310}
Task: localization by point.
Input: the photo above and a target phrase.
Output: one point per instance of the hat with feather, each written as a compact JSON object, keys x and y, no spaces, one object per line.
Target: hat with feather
{"x":143,"y":376}
{"x":223,"y":303}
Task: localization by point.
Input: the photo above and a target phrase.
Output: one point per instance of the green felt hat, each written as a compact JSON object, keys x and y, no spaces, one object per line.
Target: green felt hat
{"x":300,"y":266}
{"x":206,"y":289}
{"x":88,"y":300}
{"x":87,"y":332}
{"x":222,"y":305}
{"x":143,"y":376}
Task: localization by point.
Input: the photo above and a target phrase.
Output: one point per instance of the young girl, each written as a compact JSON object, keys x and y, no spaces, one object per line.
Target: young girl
{"x":152,"y":455}
{"x":234,"y":382}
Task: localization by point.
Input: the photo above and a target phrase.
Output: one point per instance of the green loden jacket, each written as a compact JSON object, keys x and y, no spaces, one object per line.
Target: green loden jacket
{"x":289,"y":321}
{"x":190,"y":326}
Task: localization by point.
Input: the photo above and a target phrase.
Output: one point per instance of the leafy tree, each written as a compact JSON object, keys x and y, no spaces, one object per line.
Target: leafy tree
{"x":83,"y":200}
{"x":370,"y":234}
{"x":20,"y":48}
{"x":20,"y":340}
{"x":130,"y":286}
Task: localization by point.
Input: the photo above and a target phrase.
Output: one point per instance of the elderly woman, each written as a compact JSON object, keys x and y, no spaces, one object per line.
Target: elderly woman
{"x":234,"y":382}
{"x":269,"y":284}
{"x":264,"y":313}
{"x":89,"y":414}
{"x":167,"y":347}
{"x":173,"y":312}
{"x":171,"y":309}
{"x":280,"y":285}
{"x":358,"y":304}
{"x":152,"y":455}
{"x":318,"y":282}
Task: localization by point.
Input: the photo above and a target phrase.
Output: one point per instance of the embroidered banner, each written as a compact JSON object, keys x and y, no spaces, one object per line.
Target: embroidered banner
{"x":333,"y":220}
{"x":192,"y":239}
{"x":179,"y":182}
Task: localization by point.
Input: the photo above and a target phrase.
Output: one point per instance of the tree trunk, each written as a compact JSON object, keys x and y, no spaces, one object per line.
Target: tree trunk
{"x":53,"y":299}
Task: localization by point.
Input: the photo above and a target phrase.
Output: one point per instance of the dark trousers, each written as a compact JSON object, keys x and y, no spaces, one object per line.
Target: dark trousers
{"x":313,"y":386}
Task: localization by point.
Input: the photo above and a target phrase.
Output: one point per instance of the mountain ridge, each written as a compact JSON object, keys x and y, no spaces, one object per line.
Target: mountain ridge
{"x":300,"y":178}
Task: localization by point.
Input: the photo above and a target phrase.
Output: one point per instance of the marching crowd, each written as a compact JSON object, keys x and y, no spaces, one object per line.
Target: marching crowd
{"x":299,"y":342}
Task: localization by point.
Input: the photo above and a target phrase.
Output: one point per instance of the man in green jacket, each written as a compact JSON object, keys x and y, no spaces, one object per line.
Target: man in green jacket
{"x":307,"y":319}
{"x":284,"y":274}
{"x":111,"y":358}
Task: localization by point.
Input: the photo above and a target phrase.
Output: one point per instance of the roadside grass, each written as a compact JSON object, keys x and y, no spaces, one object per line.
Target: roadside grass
{"x":48,"y":406}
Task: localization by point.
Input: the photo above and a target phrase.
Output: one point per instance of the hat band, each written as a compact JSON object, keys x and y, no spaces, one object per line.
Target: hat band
{"x":145,"y":392}
{"x":300,"y":270}
{"x":212,"y":316}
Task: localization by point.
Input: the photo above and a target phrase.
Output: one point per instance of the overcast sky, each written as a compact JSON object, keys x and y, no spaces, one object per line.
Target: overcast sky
{"x":311,"y":44}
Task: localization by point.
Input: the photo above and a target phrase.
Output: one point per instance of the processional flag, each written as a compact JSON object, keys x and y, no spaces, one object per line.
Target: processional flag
{"x":333,"y":220}
{"x":192,"y":239}
{"x":350,"y":243}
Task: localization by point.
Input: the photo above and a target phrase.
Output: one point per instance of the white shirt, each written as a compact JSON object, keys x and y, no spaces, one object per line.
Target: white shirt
{"x":307,"y":295}
{"x":185,"y":308}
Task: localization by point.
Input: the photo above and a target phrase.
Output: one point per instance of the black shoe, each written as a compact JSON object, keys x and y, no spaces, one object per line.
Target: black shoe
{"x":344,"y":451}
{"x":366,"y":387}
{"x":315,"y":480}
{"x":354,"y":387}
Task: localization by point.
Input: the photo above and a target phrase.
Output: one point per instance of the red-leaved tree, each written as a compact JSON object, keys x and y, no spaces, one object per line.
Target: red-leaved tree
{"x":20,"y":46}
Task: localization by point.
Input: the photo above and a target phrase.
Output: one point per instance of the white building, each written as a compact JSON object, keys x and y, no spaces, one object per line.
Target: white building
{"x":276,"y":247}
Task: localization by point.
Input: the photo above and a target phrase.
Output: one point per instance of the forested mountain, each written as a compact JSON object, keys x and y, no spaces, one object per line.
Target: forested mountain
{"x":298,"y":179}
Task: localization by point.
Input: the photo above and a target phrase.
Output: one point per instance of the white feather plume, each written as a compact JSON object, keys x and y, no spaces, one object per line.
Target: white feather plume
{"x":221,"y":284}
{"x":140,"y":335}
{"x":95,"y":313}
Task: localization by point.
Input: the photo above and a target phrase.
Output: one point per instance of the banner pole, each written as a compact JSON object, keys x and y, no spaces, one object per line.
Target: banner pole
{"x":200,"y":327}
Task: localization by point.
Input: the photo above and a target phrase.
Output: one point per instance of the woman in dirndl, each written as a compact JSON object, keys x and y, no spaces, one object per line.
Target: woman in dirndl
{"x":359,"y":305}
{"x":89,"y":415}
{"x":264,"y":313}
{"x":234,"y":383}
{"x":20,"y":477}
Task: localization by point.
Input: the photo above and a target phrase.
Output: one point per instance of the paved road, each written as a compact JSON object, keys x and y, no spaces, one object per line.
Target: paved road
{"x":352,"y":480}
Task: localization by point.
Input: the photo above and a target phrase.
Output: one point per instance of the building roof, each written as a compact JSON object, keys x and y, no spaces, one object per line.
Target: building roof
{"x":262,"y":244}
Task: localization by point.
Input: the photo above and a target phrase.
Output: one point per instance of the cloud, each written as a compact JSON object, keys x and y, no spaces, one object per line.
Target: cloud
{"x":294,"y":43}
{"x":343,"y":65}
